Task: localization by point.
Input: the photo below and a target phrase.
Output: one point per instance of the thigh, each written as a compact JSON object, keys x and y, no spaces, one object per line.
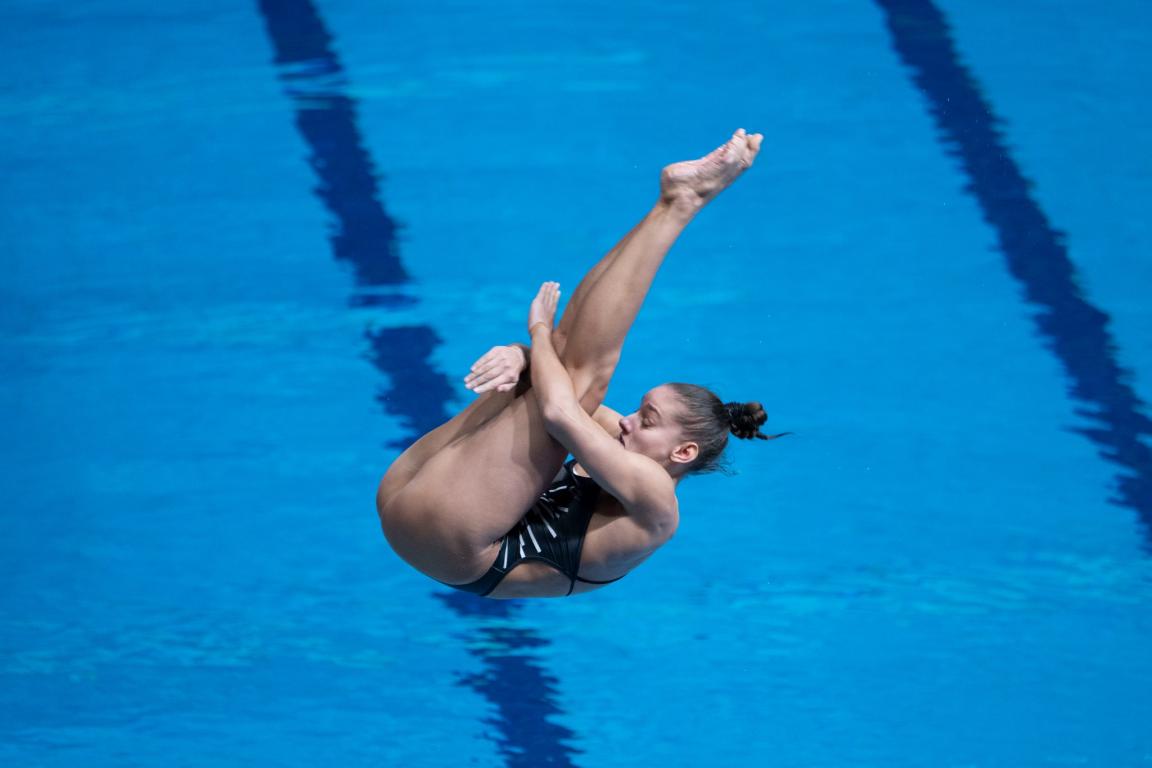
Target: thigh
{"x":448,"y":516}
{"x":409,"y":463}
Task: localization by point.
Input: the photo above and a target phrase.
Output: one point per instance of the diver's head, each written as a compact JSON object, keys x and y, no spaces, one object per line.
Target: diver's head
{"x":685,"y":427}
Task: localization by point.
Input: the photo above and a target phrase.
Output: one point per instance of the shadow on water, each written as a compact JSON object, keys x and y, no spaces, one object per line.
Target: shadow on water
{"x":1075,"y":330}
{"x":522,"y":692}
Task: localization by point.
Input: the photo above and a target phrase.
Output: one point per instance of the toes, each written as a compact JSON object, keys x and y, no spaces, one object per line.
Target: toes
{"x":753,"y":146}
{"x":733,"y":143}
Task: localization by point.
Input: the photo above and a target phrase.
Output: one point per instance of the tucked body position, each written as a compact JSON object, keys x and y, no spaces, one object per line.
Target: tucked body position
{"x":487,"y":502}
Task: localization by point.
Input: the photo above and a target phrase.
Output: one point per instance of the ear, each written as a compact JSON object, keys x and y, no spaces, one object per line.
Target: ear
{"x":685,"y":453}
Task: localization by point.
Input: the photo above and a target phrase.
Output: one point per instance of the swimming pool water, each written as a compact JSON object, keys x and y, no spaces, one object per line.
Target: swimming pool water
{"x":251,"y":249}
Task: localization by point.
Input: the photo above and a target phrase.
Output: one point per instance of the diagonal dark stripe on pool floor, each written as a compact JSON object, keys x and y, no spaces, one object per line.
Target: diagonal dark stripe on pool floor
{"x":364,"y":234}
{"x":513,"y":680}
{"x":1077,"y":332}
{"x":524,"y":694}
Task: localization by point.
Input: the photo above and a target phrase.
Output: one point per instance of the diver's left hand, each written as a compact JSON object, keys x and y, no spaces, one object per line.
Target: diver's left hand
{"x":543,"y":309}
{"x":499,"y":369}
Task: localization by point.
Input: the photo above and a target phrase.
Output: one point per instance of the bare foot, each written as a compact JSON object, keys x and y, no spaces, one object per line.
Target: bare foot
{"x":693,"y":183}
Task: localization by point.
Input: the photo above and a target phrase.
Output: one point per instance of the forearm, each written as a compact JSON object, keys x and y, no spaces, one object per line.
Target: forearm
{"x":550,"y":380}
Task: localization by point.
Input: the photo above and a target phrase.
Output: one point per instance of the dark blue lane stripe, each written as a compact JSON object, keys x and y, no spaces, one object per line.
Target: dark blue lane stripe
{"x":1075,"y":331}
{"x":513,"y":679}
{"x":363,"y":232}
{"x":416,"y":393}
{"x":524,"y":694}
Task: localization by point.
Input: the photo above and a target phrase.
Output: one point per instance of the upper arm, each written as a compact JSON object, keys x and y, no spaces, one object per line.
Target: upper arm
{"x":608,"y":419}
{"x":640,"y":484}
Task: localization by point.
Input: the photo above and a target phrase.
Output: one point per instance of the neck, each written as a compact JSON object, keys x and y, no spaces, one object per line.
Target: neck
{"x":675,"y":470}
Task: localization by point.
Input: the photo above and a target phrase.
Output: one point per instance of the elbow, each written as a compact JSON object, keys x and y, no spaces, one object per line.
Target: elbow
{"x":662,"y":525}
{"x":664,"y":531}
{"x":553,"y":413}
{"x":561,"y":418}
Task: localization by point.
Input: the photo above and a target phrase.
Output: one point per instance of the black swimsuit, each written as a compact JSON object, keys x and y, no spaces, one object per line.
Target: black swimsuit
{"x":551,"y":532}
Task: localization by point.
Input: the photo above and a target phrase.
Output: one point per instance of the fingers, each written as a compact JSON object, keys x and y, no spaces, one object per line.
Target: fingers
{"x":473,"y":380}
{"x":482,"y":369}
{"x":500,"y":380}
{"x":551,"y":294}
{"x":503,"y":382}
{"x":487,"y":373}
{"x":483,"y":362}
{"x":502,"y":386}
{"x":543,"y":309}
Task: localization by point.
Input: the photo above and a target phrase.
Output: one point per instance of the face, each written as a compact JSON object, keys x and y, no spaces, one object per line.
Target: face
{"x":654,"y":430}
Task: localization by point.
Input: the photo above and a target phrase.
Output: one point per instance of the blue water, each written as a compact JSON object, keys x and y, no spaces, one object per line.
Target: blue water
{"x":250,"y":249}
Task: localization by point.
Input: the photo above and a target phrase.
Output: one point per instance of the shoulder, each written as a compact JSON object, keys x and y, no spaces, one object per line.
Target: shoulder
{"x":655,"y":508}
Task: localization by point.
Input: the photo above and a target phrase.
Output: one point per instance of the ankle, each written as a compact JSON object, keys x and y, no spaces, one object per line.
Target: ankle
{"x":682,"y":208}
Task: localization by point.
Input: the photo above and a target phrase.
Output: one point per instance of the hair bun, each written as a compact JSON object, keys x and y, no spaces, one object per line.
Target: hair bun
{"x":745,"y":419}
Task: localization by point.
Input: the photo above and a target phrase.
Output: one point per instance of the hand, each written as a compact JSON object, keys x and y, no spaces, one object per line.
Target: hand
{"x":543,"y":308}
{"x":499,"y":369}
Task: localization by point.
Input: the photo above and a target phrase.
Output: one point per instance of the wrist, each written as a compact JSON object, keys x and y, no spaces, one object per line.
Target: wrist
{"x":541,"y":324}
{"x":525,"y":352}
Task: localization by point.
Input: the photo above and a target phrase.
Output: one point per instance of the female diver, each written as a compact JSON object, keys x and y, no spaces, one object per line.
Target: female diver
{"x":454,"y":504}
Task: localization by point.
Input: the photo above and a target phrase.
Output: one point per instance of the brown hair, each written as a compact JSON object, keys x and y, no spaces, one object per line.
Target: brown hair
{"x":707,"y":421}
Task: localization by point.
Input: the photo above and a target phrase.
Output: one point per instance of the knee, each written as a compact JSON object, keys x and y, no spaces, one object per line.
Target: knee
{"x":590,"y":377}
{"x":591,"y":387}
{"x":591,"y":401}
